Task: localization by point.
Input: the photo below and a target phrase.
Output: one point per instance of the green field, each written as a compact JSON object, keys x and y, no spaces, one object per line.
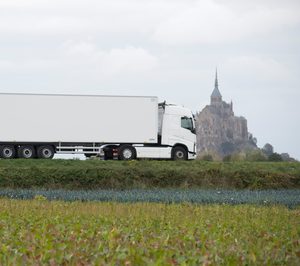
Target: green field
{"x":96,"y":174}
{"x":35,"y":232}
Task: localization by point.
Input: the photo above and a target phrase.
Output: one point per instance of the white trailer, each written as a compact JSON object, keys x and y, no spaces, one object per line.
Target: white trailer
{"x":127,"y":127}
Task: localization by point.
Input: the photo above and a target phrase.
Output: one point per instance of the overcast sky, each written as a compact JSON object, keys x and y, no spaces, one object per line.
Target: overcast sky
{"x":166,"y":48}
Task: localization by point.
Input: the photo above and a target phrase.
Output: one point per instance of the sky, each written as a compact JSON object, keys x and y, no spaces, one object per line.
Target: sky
{"x":164,"y":48}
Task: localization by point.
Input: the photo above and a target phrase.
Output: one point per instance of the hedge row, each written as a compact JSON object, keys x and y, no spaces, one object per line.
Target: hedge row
{"x":94,"y":174}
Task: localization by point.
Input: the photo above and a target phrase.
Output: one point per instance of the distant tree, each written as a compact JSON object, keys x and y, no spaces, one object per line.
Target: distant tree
{"x":287,"y":158}
{"x":250,"y":136}
{"x":268,"y":149}
{"x":212,"y":154}
{"x":256,"y":156}
{"x":227,"y":158}
{"x":234,"y":157}
{"x":252,"y":139}
{"x":253,"y":142}
{"x":238,"y":156}
{"x":207,"y":157}
{"x":275,"y":157}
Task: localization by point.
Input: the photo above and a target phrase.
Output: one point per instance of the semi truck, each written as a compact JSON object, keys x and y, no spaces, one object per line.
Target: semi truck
{"x":118,"y":127}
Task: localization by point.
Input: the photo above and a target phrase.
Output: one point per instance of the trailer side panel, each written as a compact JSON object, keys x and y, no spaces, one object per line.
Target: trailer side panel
{"x":78,"y":119}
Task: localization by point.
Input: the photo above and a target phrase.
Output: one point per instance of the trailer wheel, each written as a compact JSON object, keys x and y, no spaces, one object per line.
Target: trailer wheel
{"x":179,"y":153}
{"x":26,"y":152}
{"x":127,"y":152}
{"x":45,"y":152}
{"x":7,"y":152}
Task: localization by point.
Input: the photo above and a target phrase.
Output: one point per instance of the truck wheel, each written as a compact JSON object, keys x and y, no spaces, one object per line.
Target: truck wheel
{"x":26,"y":152}
{"x":179,"y":153}
{"x":127,"y":152}
{"x":45,"y":152}
{"x":7,"y":152}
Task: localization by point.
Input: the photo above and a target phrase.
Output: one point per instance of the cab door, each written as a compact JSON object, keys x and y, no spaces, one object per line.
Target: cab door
{"x":187,"y":131}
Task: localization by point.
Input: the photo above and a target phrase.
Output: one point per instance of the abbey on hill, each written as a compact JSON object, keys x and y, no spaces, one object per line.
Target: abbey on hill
{"x":219,"y":131}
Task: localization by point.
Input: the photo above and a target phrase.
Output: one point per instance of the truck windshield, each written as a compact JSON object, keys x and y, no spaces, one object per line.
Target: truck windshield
{"x":187,"y":123}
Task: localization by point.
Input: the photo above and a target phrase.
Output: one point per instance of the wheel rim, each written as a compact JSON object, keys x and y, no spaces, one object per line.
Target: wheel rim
{"x":46,"y":153}
{"x":127,"y":154}
{"x":7,"y":152}
{"x":179,"y":154}
{"x":27,"y":153}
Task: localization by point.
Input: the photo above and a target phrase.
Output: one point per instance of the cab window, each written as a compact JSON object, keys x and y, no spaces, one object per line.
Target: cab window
{"x":187,"y":123}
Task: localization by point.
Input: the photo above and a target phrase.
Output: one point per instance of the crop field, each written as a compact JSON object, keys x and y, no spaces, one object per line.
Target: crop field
{"x":37,"y":232}
{"x":70,"y":212}
{"x":288,"y":197}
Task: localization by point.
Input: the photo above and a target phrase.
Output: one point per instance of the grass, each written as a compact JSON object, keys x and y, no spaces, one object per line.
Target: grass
{"x":94,"y":174}
{"x":36,"y":232}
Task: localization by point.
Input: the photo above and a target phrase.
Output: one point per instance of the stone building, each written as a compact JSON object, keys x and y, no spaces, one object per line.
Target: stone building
{"x":219,"y":131}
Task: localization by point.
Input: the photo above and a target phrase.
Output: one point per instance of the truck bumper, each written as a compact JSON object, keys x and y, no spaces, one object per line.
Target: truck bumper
{"x":192,"y":156}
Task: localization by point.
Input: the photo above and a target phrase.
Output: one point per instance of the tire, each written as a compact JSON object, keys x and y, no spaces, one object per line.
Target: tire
{"x":179,"y":153}
{"x":45,"y":152}
{"x":26,"y":152}
{"x":7,"y":152}
{"x":127,"y":152}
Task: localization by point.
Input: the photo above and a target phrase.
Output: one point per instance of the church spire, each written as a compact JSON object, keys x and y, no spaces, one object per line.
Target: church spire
{"x":216,"y":80}
{"x":216,"y":96}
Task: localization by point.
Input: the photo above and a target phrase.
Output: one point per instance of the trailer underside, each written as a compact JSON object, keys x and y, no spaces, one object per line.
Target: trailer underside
{"x":121,"y":151}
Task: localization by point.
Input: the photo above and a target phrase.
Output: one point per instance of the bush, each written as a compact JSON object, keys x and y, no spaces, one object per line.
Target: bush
{"x":275,"y":157}
{"x":255,"y":156}
{"x":96,"y":174}
{"x":227,"y":158}
{"x":207,"y":157}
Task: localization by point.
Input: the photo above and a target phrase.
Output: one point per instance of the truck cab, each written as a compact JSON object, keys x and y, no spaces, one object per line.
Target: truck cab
{"x":177,"y":131}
